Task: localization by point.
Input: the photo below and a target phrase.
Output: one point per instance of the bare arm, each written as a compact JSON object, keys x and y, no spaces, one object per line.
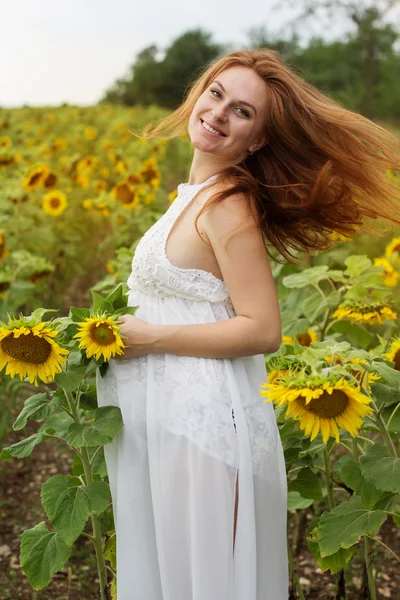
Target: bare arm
{"x":256,"y":328}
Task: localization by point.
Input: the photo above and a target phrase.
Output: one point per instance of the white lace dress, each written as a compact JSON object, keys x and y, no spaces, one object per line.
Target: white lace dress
{"x":172,"y":469}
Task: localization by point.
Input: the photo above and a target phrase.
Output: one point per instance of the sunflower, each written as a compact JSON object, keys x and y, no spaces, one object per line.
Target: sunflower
{"x":36,"y":177}
{"x":389,"y":272}
{"x":323,"y":406}
{"x":125,"y":194}
{"x":365,"y":313}
{"x":50,"y":180}
{"x":392,"y":247}
{"x":5,"y":141}
{"x":394,"y":353}
{"x":99,"y":336}
{"x":3,"y":247}
{"x":172,"y":195}
{"x":304,"y":339}
{"x":31,"y":351}
{"x":150,"y":173}
{"x":54,"y":203}
{"x":59,"y":144}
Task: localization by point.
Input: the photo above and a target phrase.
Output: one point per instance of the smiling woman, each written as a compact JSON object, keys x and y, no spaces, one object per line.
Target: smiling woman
{"x":197,"y":474}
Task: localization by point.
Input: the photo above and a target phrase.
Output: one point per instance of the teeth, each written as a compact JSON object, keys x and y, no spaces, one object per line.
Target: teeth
{"x":209,"y":128}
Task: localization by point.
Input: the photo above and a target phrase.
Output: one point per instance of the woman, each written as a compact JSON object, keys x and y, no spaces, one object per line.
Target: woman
{"x":197,"y":474}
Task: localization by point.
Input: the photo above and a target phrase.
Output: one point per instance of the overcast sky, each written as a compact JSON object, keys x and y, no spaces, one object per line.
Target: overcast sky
{"x":56,"y":51}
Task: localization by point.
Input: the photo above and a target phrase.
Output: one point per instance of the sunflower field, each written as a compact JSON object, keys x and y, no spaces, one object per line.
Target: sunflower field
{"x":79,"y":191}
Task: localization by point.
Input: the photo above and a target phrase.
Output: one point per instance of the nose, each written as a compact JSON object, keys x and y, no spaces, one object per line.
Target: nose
{"x":219,"y":115}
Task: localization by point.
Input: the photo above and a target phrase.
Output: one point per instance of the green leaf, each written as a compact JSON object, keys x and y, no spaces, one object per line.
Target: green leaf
{"x":357,"y":264}
{"x":307,"y":484}
{"x":381,"y":469}
{"x":295,"y":501}
{"x":307,"y":277}
{"x":334,"y":562}
{"x":68,"y":506}
{"x":356,"y":332}
{"x":110,"y":551}
{"x":353,"y":478}
{"x":391,"y":376}
{"x":42,"y":554}
{"x":100,"y":304}
{"x":313,"y":306}
{"x":384,"y":394}
{"x":395,"y":421}
{"x":107,"y":423}
{"x":117,"y":298}
{"x":99,"y":497}
{"x":70,"y":380}
{"x":345,"y":524}
{"x":79,"y":314}
{"x":36,"y":408}
{"x":23,"y":448}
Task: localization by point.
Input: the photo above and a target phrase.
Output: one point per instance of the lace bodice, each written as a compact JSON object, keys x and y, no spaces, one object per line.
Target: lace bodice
{"x":154,"y":274}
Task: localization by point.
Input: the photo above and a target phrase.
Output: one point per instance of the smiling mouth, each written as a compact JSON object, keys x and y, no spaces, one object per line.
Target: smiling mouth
{"x":220,"y":134}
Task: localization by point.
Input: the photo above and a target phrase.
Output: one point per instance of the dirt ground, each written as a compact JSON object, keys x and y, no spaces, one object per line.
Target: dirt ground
{"x":20,"y":509}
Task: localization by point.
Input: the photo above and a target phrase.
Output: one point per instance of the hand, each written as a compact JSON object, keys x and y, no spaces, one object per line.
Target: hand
{"x":137,"y":335}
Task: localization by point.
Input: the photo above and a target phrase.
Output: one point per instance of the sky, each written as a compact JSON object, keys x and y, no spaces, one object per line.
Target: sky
{"x":56,"y":51}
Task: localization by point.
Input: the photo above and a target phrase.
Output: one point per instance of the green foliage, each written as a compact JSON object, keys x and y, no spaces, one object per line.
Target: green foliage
{"x":43,"y":553}
{"x":345,"y":524}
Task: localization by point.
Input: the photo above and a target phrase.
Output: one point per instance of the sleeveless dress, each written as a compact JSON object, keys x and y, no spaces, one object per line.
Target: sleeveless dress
{"x":191,"y":425}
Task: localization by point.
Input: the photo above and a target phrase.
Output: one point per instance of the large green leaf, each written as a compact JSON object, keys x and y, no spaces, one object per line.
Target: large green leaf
{"x":100,"y":304}
{"x":70,"y":380}
{"x":307,"y":277}
{"x":391,"y":376}
{"x":313,"y":306}
{"x":68,"y":505}
{"x":357,"y":264}
{"x":307,"y":484}
{"x":334,"y":562}
{"x":23,"y":448}
{"x":107,"y":423}
{"x":37,"y":407}
{"x":346,"y":524}
{"x":361,"y":336}
{"x":295,"y":501}
{"x":42,"y":554}
{"x":384,"y":394}
{"x":353,"y":478}
{"x":381,"y":469}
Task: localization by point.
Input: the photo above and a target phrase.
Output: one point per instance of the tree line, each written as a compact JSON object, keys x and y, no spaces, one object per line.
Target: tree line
{"x":362,"y":70}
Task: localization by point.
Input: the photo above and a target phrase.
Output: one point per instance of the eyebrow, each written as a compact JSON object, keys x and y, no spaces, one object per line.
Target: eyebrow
{"x":240,"y":101}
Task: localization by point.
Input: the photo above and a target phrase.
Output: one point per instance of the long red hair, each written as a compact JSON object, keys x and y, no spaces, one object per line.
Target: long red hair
{"x":324,"y":169}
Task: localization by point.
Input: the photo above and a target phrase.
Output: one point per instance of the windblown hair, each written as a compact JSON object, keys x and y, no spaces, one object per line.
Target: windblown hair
{"x":324,"y":169}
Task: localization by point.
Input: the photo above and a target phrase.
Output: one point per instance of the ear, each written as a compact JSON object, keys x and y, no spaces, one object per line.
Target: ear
{"x":262,"y":141}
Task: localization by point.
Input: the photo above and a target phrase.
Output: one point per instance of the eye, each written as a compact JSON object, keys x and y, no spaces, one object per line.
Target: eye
{"x":242,"y":109}
{"x":212,"y":91}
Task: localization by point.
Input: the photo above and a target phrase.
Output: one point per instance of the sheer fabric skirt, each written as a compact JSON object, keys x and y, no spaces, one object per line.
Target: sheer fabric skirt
{"x":173,"y":471}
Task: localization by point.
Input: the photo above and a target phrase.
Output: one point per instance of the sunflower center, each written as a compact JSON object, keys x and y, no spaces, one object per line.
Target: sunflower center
{"x":102,"y":334}
{"x":54,"y":202}
{"x":28,"y":348}
{"x":303,"y":338}
{"x":396,"y":360}
{"x":327,"y":405}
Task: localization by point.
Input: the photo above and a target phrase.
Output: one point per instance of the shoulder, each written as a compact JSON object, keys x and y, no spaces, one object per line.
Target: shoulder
{"x":231,"y":213}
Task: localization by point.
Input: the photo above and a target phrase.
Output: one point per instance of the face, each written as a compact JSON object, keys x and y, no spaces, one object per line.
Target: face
{"x":234,"y":107}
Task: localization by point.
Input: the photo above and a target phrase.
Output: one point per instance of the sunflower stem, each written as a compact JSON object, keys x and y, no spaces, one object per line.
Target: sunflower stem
{"x":368,"y":564}
{"x":329,"y":483}
{"x":354,"y":444}
{"x":392,"y":552}
{"x":392,"y":415}
{"x":384,"y":432}
{"x":97,"y":538}
{"x":294,"y":575}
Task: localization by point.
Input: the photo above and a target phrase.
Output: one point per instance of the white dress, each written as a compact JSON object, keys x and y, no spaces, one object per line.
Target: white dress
{"x":190,"y":424}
